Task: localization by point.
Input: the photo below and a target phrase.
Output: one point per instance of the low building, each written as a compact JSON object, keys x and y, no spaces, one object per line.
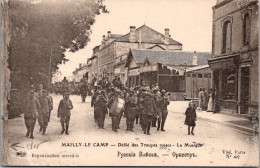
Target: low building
{"x":165,"y":68}
{"x":196,"y":78}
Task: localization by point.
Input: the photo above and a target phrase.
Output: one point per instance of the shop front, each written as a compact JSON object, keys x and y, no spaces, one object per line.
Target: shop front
{"x":225,"y":80}
{"x":134,"y":77}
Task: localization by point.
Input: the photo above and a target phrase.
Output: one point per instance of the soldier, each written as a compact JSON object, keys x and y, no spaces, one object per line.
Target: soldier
{"x":155,"y":93}
{"x":162,"y":103}
{"x":130,"y":109}
{"x":93,"y":100}
{"x":84,"y":90}
{"x":149,"y":111}
{"x":101,"y":108}
{"x":141,"y":109}
{"x":115,"y":116}
{"x":64,"y":113}
{"x":44,"y":111}
{"x":39,"y":91}
{"x":32,"y":108}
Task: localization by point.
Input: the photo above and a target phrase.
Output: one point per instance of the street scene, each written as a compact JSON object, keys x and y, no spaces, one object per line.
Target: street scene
{"x":86,"y":83}
{"x":208,"y":132}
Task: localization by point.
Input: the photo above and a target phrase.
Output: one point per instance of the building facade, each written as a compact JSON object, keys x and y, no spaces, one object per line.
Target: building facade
{"x":235,"y":55}
{"x":114,"y":48}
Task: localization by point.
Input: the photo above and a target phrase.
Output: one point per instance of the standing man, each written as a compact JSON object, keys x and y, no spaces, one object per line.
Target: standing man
{"x":44,"y":111}
{"x":84,"y":90}
{"x":101,"y":108}
{"x":205,"y":99}
{"x":130,"y":109}
{"x":149,"y":111}
{"x":64,"y":113}
{"x":32,"y":107}
{"x":93,"y":101}
{"x":162,"y":103}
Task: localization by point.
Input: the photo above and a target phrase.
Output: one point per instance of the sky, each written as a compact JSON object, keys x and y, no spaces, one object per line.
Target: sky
{"x":189,"y":21}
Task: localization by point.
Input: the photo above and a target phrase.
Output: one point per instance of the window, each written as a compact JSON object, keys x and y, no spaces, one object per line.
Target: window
{"x":207,"y":75}
{"x":246,"y":29}
{"x":188,"y":75}
{"x":229,"y":85}
{"x":226,"y":37}
{"x":194,"y":75}
{"x":199,"y":75}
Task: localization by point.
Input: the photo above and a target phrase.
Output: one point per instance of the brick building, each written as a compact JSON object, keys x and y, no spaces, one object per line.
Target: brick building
{"x":235,"y":55}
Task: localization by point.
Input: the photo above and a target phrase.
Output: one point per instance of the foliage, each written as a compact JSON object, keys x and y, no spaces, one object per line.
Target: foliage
{"x":42,"y":30}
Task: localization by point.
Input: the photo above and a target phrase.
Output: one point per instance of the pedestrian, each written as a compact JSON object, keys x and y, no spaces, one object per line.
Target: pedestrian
{"x":101,"y":108}
{"x":93,"y":101}
{"x":130,"y":109}
{"x":150,"y":110}
{"x":84,"y":90}
{"x":141,"y":109}
{"x":64,"y":112}
{"x":115,"y":105}
{"x":32,"y":107}
{"x":190,"y":119}
{"x":162,"y":103}
{"x":211,"y":101}
{"x":216,"y":101}
{"x":200,"y":99}
{"x":44,"y":111}
{"x":205,"y":99}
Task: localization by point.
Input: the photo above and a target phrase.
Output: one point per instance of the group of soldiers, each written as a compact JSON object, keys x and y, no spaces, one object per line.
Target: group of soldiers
{"x":38,"y":106}
{"x":141,"y":102}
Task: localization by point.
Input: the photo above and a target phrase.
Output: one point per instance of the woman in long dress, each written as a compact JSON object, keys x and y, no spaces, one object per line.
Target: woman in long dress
{"x":211,"y":102}
{"x":200,"y":99}
{"x":190,"y":119}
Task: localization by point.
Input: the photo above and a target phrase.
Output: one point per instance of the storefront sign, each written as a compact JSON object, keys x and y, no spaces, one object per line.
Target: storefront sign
{"x":134,"y":72}
{"x":117,"y":70}
{"x":148,"y":68}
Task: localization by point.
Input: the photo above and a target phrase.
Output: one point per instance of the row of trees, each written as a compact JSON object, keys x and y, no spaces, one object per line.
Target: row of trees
{"x":41,"y":32}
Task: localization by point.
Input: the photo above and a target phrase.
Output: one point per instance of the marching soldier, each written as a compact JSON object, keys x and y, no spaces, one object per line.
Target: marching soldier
{"x":141,"y":109}
{"x":64,"y":113}
{"x":84,"y":91}
{"x":162,"y":103}
{"x":130,"y":109}
{"x":115,"y":116}
{"x":101,"y":108}
{"x":93,"y":100}
{"x":44,"y":111}
{"x":51,"y":107}
{"x":149,"y":111}
{"x":32,"y":108}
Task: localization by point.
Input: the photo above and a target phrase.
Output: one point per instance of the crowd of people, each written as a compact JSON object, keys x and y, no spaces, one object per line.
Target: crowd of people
{"x":140,"y":105}
{"x":208,"y":100}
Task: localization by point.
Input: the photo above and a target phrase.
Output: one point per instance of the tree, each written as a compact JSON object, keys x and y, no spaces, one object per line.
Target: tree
{"x":42,"y":31}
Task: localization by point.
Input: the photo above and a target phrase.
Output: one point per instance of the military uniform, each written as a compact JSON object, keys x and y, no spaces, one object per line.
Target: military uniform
{"x":64,"y":113}
{"x":44,"y":112}
{"x":32,"y":107}
{"x":130,"y":110}
{"x":141,"y":110}
{"x":162,"y":103}
{"x":150,"y":110}
{"x":101,"y":109}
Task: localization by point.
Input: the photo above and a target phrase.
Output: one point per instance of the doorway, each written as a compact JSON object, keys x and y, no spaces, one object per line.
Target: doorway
{"x":245,"y":93}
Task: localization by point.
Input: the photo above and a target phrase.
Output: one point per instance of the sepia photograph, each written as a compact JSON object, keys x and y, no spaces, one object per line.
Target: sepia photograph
{"x":130,"y":83}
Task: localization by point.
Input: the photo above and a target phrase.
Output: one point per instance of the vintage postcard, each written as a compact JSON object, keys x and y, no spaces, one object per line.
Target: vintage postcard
{"x":130,"y":83}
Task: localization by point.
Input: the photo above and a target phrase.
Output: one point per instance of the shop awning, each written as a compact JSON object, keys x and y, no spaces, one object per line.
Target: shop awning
{"x":224,"y":62}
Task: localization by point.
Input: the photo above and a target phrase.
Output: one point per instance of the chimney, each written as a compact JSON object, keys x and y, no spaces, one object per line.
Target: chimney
{"x":195,"y":59}
{"x":108,"y":34}
{"x":167,"y":37}
{"x":80,"y":65}
{"x":132,"y":37}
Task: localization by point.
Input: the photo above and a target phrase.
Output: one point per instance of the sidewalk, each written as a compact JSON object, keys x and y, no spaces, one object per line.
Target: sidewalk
{"x":236,"y":122}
